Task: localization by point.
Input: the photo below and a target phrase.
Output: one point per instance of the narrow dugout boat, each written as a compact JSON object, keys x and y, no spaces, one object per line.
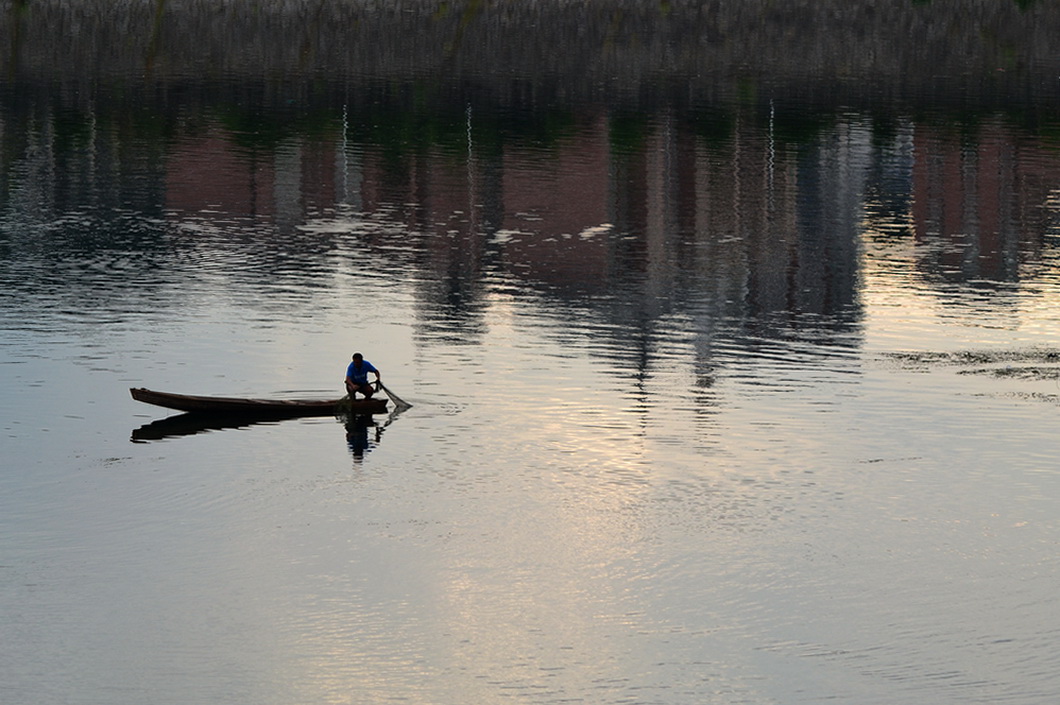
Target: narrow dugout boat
{"x":259,"y":407}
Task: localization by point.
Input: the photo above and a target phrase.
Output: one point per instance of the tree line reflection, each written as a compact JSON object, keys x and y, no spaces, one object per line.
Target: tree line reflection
{"x":623,"y":162}
{"x":753,"y":211}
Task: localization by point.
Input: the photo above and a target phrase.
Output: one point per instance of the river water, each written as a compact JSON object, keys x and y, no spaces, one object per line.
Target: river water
{"x":734,"y":377}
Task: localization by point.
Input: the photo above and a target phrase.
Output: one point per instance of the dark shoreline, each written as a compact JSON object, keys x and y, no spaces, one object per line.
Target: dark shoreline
{"x":967,"y":55}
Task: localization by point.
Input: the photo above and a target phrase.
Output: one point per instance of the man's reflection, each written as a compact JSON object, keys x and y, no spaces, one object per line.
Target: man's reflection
{"x":357,"y":435}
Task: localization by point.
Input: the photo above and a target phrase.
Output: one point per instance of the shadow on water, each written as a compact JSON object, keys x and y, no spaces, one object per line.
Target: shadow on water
{"x":358,"y":438}
{"x":363,"y":432}
{"x":190,"y":424}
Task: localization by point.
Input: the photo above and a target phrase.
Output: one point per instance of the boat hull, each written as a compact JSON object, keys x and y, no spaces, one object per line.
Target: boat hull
{"x":258,"y":407}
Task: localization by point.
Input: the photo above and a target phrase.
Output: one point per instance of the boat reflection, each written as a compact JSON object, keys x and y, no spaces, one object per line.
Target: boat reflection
{"x":190,"y":424}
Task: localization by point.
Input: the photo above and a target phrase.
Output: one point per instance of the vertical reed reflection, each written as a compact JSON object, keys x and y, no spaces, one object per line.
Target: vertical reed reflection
{"x":747,"y":215}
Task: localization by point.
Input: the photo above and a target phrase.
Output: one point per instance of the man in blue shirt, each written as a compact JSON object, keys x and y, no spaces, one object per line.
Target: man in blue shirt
{"x":357,"y":377}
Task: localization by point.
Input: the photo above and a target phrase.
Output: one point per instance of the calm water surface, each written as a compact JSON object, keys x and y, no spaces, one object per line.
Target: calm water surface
{"x":733,"y":398}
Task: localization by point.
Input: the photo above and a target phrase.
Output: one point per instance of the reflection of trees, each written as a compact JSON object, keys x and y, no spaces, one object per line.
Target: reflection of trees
{"x":754,"y":214}
{"x":662,"y":164}
{"x":979,"y":202}
{"x":738,"y":233}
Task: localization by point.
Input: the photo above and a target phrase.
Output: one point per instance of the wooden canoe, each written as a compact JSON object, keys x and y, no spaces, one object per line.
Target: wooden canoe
{"x":259,"y":407}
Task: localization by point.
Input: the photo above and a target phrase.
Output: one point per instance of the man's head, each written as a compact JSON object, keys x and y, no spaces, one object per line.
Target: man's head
{"x":357,"y":357}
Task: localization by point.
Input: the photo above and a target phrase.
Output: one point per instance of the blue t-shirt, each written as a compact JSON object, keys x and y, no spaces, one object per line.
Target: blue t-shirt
{"x":360,"y":375}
